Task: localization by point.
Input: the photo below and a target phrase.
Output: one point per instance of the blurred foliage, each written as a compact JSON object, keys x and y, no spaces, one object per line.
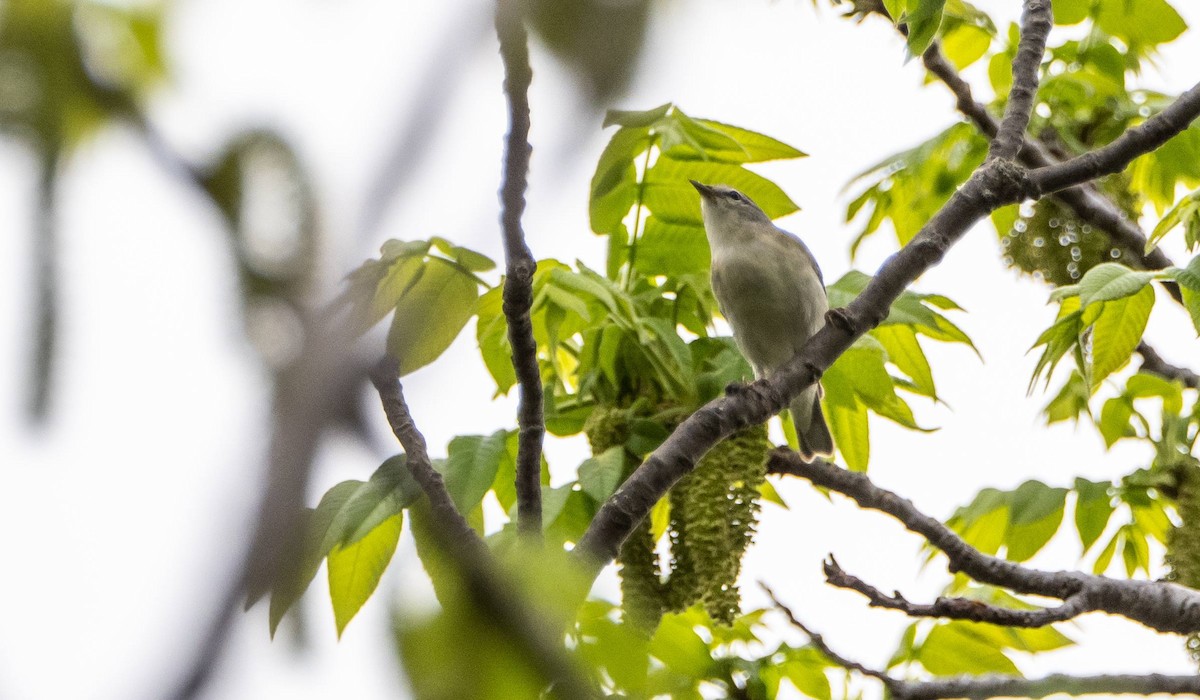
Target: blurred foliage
{"x":600,"y":39}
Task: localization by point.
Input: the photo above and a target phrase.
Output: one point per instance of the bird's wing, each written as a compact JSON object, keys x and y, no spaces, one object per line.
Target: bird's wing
{"x":793,"y":239}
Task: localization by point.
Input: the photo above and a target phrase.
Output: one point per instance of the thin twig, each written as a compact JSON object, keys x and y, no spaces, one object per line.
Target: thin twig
{"x":518,"y":281}
{"x":893,"y":684}
{"x":955,"y":608}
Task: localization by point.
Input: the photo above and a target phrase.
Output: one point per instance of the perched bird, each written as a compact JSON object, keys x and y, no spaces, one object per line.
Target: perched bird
{"x":769,"y":288}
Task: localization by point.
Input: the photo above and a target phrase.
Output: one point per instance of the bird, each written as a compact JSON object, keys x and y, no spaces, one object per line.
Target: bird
{"x":769,"y":288}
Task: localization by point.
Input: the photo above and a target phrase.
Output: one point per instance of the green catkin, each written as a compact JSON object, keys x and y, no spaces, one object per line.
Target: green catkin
{"x":641,"y":578}
{"x":713,"y":514}
{"x":1183,"y":543}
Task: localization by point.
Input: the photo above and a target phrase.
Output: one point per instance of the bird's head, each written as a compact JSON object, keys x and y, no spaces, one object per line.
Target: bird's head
{"x":725,"y":209}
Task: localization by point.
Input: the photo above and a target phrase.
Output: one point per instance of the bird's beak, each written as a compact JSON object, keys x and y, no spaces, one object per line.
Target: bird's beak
{"x":705,"y":191}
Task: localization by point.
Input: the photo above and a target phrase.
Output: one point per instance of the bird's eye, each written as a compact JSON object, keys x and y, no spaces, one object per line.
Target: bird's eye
{"x":737,"y":196}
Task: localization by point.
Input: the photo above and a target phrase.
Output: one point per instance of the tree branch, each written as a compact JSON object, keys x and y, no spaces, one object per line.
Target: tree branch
{"x":1036,"y":22}
{"x":1088,"y":203}
{"x":491,"y":593}
{"x":992,"y":686}
{"x":1162,"y":606}
{"x":518,"y":281}
{"x":1114,"y":157}
{"x":955,"y":608}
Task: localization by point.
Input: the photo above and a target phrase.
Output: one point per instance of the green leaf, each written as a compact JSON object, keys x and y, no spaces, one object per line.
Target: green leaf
{"x":1189,"y":283}
{"x":631,"y":118}
{"x":1114,"y":420}
{"x":1109,"y":281}
{"x":753,"y":147}
{"x":965,"y":43}
{"x":904,"y":351}
{"x":1070,"y":401}
{"x":430,"y":314}
{"x":1093,"y":508}
{"x":614,"y":186}
{"x":669,"y":195}
{"x":1143,"y":385}
{"x":599,"y":476}
{"x":678,"y":646}
{"x":1106,"y":555}
{"x":672,"y":248}
{"x":923,"y":22}
{"x":1144,"y":23}
{"x":805,"y":668}
{"x":1071,"y":11}
{"x":957,"y":647}
{"x":863,"y":367}
{"x":847,"y":421}
{"x":491,"y":332}
{"x":470,"y":467}
{"x":1036,"y":511}
{"x":1118,"y":331}
{"x":1186,"y":212}
{"x":355,"y":569}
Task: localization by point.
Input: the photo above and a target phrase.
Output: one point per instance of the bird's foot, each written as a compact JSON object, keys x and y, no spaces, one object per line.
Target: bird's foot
{"x":735,"y":388}
{"x":840,"y":319}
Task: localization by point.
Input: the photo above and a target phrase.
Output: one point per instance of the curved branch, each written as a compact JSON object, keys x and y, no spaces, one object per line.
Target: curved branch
{"x":518,"y":281}
{"x":1162,"y":606}
{"x":1036,"y":22}
{"x":956,"y":608}
{"x":495,"y":597}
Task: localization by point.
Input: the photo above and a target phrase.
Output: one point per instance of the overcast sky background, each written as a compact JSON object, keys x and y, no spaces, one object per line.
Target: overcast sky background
{"x":126,"y":513}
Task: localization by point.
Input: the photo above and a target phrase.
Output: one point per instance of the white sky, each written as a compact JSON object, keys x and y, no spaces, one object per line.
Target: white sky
{"x":123,"y":513}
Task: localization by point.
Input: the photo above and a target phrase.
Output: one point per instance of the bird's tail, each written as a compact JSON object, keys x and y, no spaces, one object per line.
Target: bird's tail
{"x":811,"y":429}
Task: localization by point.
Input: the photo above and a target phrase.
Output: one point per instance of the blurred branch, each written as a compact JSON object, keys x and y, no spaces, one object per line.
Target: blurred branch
{"x":307,"y":395}
{"x":43,"y":349}
{"x":1153,"y":363}
{"x":518,"y":280}
{"x":954,"y":608}
{"x":1036,"y":22}
{"x":1162,"y":606}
